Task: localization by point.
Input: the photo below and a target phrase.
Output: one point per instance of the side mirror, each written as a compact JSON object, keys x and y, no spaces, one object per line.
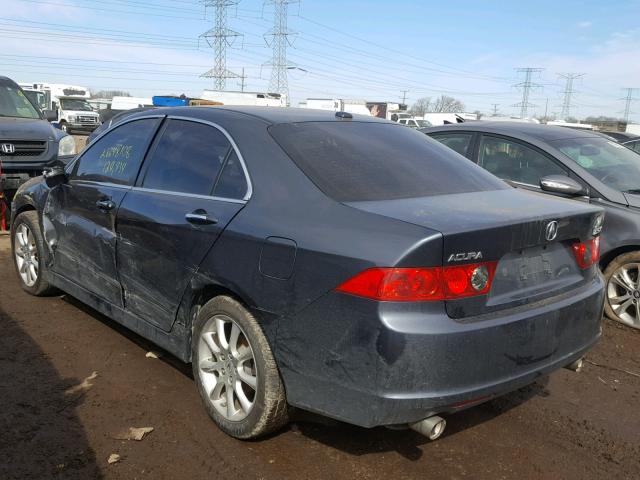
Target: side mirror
{"x":50,"y":115}
{"x":54,"y":176}
{"x":561,"y":184}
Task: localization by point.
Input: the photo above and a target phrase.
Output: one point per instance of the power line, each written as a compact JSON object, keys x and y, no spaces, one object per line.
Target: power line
{"x":568,"y":92}
{"x":627,"y":104}
{"x":279,"y":42}
{"x":526,"y":86}
{"x":219,"y":38}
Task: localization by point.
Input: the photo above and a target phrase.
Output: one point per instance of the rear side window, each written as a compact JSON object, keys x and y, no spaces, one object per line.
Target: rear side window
{"x":116,"y":157}
{"x":232,"y":182}
{"x":511,"y":160}
{"x":458,"y":142}
{"x":187,"y":158}
{"x":359,"y":161}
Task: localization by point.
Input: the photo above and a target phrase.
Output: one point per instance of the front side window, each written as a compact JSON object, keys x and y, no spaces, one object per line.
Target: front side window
{"x":610,"y":162}
{"x":359,"y":161}
{"x":116,"y":157}
{"x":458,"y":142}
{"x":187,"y":158}
{"x":514,"y":161}
{"x":14,"y":103}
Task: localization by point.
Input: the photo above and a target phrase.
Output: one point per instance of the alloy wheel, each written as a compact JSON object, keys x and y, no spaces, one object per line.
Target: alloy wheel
{"x":227,"y":368}
{"x":623,"y":292}
{"x":26,"y":254}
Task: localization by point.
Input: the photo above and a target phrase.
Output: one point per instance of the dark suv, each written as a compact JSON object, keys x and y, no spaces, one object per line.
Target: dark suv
{"x":583,"y":165}
{"x":28,"y":142}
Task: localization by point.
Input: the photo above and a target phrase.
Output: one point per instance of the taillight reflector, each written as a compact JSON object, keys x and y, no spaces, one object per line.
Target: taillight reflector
{"x":587,"y":253}
{"x":421,"y":284}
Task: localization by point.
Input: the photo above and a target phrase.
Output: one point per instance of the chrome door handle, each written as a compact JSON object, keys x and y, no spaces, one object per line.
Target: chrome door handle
{"x":105,"y":205}
{"x":200,"y":217}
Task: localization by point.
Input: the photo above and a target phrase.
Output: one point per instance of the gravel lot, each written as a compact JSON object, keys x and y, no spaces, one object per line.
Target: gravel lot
{"x":60,"y":419}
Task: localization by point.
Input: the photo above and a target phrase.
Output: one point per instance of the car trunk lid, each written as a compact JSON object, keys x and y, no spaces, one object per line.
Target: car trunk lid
{"x":529,"y":235}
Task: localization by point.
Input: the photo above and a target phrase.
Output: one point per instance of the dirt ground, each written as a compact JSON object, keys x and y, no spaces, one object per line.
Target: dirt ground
{"x":59,"y":419}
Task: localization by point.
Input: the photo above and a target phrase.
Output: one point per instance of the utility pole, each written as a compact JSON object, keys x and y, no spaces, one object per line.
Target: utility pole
{"x":627,"y":105}
{"x":495,"y":109}
{"x":404,"y":96}
{"x":242,"y":79}
{"x":219,"y":38}
{"x":279,"y":42}
{"x":546,"y":109}
{"x":568,"y":92}
{"x":527,"y":86}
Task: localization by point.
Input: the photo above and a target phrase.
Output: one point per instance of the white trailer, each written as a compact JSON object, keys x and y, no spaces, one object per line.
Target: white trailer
{"x":259,"y":99}
{"x":358,"y":107}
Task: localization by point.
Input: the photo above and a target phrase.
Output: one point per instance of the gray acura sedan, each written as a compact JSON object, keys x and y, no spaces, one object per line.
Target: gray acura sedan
{"x":340,"y":264}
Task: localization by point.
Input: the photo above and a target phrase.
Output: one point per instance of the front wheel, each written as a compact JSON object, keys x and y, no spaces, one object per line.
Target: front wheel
{"x":235,"y":371}
{"x":28,"y":254}
{"x":64,"y":126}
{"x":622,"y":277}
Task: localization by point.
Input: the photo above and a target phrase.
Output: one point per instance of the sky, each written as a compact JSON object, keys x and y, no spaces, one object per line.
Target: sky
{"x":369,"y":50}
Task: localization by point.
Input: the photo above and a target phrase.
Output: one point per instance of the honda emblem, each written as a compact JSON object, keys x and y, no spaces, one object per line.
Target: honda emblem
{"x":8,"y":148}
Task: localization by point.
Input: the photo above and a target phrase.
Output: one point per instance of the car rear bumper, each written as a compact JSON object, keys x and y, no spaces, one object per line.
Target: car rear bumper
{"x":382,"y":364}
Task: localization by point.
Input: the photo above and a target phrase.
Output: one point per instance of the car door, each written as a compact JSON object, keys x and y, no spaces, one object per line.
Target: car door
{"x":461,"y":142}
{"x":517,"y":162}
{"x":83,"y":210}
{"x":192,"y":184}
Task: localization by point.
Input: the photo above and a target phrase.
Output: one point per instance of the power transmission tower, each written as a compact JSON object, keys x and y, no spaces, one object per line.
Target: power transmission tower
{"x":568,"y":92}
{"x":628,"y":100}
{"x":526,"y":86}
{"x":404,"y":96}
{"x":495,"y":109}
{"x":279,"y":42}
{"x":242,"y":78}
{"x":219,"y":38}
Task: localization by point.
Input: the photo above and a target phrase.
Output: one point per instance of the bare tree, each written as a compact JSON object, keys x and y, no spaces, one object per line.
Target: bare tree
{"x":446,"y":104}
{"x":421,"y":106}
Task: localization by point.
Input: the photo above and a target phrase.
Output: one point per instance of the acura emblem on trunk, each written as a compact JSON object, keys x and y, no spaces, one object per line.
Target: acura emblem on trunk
{"x":8,"y":148}
{"x":551,"y":231}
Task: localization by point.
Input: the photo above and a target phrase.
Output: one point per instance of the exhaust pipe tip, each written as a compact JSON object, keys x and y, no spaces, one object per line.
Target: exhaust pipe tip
{"x":432,"y":427}
{"x":576,"y":366}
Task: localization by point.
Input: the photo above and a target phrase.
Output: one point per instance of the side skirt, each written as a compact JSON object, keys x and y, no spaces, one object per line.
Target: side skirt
{"x":176,"y":342}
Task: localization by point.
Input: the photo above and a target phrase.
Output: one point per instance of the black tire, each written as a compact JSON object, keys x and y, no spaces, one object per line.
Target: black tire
{"x":64,"y":126}
{"x":617,"y":263}
{"x":41,"y":287}
{"x":270,"y":410}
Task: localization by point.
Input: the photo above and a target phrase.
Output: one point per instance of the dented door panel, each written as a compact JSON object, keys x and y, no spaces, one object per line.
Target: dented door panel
{"x":82,"y":235}
{"x":159,"y":250}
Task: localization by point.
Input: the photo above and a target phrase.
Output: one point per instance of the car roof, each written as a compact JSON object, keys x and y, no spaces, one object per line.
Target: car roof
{"x":545,"y":133}
{"x":273,"y":115}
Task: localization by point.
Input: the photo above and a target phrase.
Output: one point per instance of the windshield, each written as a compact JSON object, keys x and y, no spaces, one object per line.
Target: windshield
{"x":75,"y":104}
{"x":613,"y":164}
{"x":37,"y":98}
{"x":423,"y":123}
{"x":13,"y":103}
{"x":359,"y":161}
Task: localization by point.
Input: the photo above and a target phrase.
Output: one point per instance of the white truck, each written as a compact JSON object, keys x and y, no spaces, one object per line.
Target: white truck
{"x":260,"y":99}
{"x":70,"y":105}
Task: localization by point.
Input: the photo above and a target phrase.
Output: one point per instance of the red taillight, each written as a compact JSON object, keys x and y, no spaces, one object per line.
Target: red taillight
{"x":421,"y":284}
{"x":587,"y":253}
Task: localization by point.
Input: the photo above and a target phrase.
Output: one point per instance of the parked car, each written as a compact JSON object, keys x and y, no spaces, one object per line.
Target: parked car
{"x":28,"y":142}
{"x":573,"y":164}
{"x":308,"y":258}
{"x":633,"y":145}
{"x":622,"y":136}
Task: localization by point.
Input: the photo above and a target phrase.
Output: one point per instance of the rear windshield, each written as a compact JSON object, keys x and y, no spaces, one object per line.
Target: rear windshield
{"x":361,"y":161}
